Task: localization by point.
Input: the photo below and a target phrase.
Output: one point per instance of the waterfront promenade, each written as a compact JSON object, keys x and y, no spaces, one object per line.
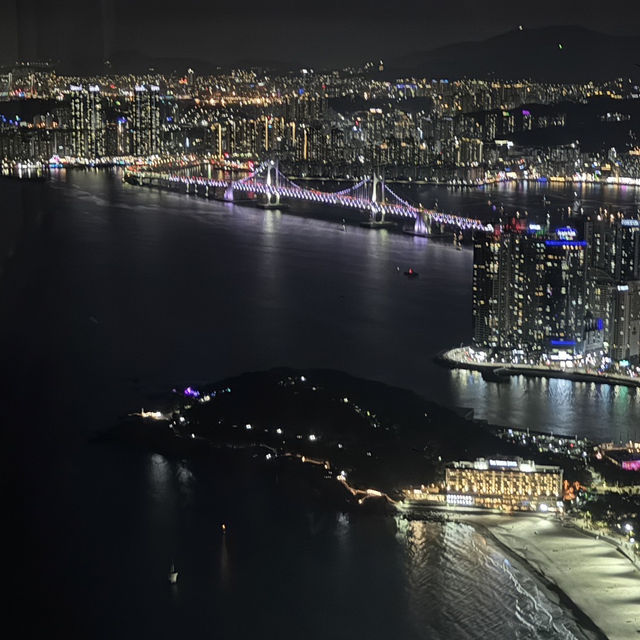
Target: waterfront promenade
{"x":463,"y":358}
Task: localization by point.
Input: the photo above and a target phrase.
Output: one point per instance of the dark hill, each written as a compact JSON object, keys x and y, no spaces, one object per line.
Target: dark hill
{"x":554,"y":54}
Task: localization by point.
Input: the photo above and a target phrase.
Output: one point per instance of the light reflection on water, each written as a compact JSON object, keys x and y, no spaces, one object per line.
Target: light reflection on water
{"x":251,"y":289}
{"x":455,"y":577}
{"x":602,"y":412}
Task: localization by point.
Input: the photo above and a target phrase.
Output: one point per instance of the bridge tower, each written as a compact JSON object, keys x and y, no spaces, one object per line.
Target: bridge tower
{"x":375,"y":200}
{"x":273,"y":183}
{"x":420,"y":227}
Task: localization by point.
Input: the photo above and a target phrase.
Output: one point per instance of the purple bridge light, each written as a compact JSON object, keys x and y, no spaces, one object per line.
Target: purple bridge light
{"x":269,"y":181}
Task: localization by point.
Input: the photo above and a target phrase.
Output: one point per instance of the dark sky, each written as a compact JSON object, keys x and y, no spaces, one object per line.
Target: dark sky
{"x":333,"y":32}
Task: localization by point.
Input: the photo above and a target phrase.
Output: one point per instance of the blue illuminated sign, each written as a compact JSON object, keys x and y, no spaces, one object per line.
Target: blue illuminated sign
{"x":566,"y":243}
{"x":563,"y":343}
{"x":566,"y":233}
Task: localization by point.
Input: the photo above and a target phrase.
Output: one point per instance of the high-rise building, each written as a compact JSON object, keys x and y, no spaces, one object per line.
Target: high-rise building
{"x":145,"y":130}
{"x":529,"y":291}
{"x":613,"y":247}
{"x":624,"y":322}
{"x":87,"y":122}
{"x":613,"y":290}
{"x":491,"y":276}
{"x":118,"y":141}
{"x":559,"y":295}
{"x":627,"y":250}
{"x":470,"y":151}
{"x":564,"y":295}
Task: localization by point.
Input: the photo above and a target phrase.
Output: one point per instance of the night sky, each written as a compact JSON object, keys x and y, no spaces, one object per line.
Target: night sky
{"x":332,"y":32}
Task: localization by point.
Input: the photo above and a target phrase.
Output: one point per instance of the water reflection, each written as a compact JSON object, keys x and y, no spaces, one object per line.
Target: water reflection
{"x":225,"y":577}
{"x":455,"y":576}
{"x":160,"y":476}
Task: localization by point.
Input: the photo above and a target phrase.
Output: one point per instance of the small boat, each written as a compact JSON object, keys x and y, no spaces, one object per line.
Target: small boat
{"x":224,"y":528}
{"x":411,"y":273}
{"x":173,"y":574}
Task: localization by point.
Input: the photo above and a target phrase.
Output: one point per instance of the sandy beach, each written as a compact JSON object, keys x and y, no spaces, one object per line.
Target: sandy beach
{"x":597,"y":578}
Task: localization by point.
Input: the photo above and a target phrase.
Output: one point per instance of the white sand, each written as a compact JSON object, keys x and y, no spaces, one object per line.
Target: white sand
{"x":592,"y":573}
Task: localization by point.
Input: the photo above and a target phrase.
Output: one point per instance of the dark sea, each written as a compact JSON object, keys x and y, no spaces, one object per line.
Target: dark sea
{"x":112,"y":294}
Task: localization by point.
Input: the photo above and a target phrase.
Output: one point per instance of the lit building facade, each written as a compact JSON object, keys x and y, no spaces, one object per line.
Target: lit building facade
{"x":145,"y":132}
{"x":614,"y":247}
{"x":563,"y":295}
{"x":506,"y":485}
{"x":614,"y":282}
{"x":624,"y":322}
{"x":528,"y":292}
{"x":87,"y":122}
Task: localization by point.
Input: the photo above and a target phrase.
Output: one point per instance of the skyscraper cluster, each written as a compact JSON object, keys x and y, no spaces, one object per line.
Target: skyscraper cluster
{"x":95,"y":134}
{"x":565,"y":295}
{"x":336,"y":123}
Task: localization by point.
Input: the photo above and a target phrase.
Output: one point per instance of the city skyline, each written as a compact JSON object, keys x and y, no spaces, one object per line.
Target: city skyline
{"x":341,"y":124}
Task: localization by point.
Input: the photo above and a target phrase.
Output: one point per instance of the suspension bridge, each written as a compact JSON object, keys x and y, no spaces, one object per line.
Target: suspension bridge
{"x":370,"y":195}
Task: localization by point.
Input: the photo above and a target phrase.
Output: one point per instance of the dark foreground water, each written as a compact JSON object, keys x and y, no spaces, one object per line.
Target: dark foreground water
{"x":112,"y":294}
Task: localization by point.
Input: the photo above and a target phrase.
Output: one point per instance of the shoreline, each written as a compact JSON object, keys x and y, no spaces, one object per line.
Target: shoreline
{"x":597,"y":586}
{"x":589,"y":576}
{"x":447,"y":359}
{"x":582,"y":618}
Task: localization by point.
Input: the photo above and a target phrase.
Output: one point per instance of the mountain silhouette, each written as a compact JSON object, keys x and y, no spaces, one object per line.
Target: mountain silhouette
{"x":552,"y":54}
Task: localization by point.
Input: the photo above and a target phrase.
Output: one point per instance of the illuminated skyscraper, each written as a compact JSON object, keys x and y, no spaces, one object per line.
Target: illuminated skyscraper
{"x":145,"y":132}
{"x":87,"y":122}
{"x":529,"y":291}
{"x":627,"y":254}
{"x":614,"y":247}
{"x":564,"y":293}
{"x":624,"y":322}
{"x":117,"y":137}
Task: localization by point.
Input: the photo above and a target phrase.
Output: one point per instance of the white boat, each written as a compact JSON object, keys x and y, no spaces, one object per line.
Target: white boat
{"x":173,"y":574}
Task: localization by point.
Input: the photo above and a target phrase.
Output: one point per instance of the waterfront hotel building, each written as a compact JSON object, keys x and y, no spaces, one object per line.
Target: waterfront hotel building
{"x":507,"y":485}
